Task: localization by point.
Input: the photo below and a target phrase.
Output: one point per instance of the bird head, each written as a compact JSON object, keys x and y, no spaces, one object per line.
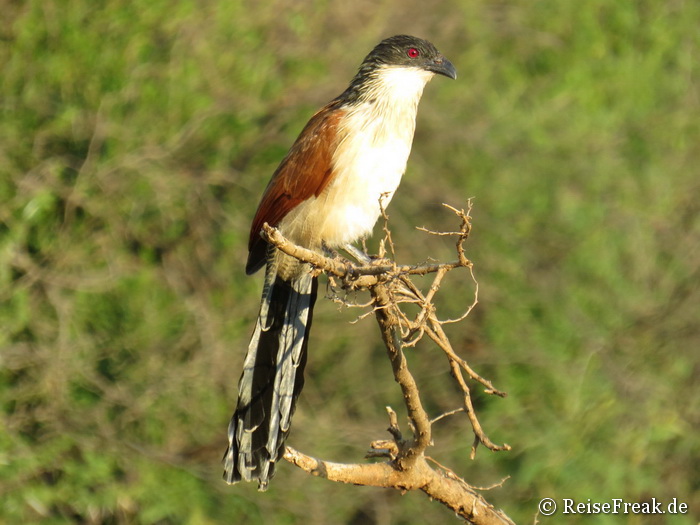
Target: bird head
{"x":409,"y":52}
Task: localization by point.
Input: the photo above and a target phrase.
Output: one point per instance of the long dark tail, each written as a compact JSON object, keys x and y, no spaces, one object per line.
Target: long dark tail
{"x":272,"y":379}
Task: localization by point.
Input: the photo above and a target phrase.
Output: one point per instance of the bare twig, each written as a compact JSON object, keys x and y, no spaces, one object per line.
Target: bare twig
{"x":387,"y":232}
{"x":360,"y":276}
{"x":446,"y":414}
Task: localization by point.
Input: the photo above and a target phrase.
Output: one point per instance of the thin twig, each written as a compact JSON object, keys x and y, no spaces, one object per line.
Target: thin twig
{"x":446,"y":414}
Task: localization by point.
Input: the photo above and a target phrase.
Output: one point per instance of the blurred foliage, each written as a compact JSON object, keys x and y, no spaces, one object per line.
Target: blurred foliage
{"x":135,"y":140}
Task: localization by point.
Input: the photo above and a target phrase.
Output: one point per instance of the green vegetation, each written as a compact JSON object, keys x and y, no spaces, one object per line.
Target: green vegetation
{"x":135,"y":140}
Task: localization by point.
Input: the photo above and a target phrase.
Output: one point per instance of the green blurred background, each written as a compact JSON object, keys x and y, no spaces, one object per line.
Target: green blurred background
{"x":135,"y":140}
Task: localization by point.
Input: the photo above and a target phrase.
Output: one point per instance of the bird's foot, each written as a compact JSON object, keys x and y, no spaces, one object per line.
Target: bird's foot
{"x":358,"y":254}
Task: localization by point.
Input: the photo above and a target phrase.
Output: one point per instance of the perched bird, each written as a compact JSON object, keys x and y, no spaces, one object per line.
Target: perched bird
{"x":327,"y":193}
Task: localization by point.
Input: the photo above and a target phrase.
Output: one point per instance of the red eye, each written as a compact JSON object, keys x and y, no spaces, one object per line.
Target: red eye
{"x":413,"y":52}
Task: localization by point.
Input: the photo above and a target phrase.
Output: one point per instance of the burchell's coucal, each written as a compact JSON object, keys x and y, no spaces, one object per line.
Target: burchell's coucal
{"x":325,"y":193}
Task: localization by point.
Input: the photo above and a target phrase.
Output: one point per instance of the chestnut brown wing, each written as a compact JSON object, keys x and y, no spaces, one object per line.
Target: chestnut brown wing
{"x":304,"y":172}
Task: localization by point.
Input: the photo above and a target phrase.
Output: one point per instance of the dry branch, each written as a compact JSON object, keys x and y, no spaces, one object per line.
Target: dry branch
{"x":390,"y":286}
{"x":439,"y":485}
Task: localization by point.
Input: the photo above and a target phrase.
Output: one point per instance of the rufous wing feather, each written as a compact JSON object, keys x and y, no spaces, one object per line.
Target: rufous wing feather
{"x":303,"y":173}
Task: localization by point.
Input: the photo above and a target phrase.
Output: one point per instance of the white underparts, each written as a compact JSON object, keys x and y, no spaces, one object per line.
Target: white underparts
{"x":376,"y":138}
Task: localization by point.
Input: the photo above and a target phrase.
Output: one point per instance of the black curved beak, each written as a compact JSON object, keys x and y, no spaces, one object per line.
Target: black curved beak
{"x":442,"y":66}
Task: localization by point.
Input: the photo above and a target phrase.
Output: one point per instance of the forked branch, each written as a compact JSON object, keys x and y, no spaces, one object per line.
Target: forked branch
{"x":390,"y":287}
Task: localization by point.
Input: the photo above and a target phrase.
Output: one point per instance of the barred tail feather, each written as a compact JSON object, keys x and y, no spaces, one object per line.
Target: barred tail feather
{"x":272,"y":379}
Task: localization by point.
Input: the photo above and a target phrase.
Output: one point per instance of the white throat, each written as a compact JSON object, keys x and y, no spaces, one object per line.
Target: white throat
{"x":399,"y":85}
